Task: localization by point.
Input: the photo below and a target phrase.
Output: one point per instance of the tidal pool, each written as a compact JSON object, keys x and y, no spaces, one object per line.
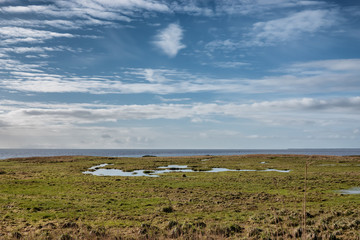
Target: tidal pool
{"x":354,"y":190}
{"x":99,"y":171}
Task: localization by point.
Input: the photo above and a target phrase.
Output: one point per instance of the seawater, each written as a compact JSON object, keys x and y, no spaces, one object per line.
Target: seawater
{"x":17,"y":153}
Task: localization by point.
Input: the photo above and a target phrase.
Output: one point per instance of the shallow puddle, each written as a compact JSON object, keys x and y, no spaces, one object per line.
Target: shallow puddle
{"x":99,"y":171}
{"x":354,"y":190}
{"x":118,"y":172}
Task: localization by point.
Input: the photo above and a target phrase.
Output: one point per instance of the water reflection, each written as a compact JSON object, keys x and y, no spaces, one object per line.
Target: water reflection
{"x":354,"y":190}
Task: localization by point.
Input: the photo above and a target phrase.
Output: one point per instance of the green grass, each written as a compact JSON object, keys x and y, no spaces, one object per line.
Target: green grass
{"x":50,"y":198}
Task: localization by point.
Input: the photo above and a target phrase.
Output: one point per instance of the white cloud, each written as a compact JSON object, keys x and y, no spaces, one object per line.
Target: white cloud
{"x":230,"y":64}
{"x":291,"y":27}
{"x":26,"y":9}
{"x":105,"y":12}
{"x":21,"y":50}
{"x":148,"y":5}
{"x":81,"y":12}
{"x":104,"y":9}
{"x":337,"y":104}
{"x":156,"y":75}
{"x":169,"y":40}
{"x":191,"y":8}
{"x":12,"y":35}
{"x":152,"y":75}
{"x":36,"y":113}
{"x":238,"y":7}
{"x":67,"y":125}
{"x":62,"y":24}
{"x":328,"y":65}
{"x":173,"y":99}
{"x":227,"y":45}
{"x":300,"y":78}
{"x":3,"y":55}
{"x":32,"y":82}
{"x":7,"y":64}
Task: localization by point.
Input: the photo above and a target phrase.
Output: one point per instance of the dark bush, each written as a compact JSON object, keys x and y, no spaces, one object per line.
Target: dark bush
{"x":168,"y":209}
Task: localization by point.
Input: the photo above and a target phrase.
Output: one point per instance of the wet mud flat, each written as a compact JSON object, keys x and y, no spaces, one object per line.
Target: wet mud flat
{"x":200,"y":197}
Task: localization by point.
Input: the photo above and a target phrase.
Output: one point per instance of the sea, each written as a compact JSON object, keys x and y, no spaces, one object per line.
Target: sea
{"x":21,"y":153}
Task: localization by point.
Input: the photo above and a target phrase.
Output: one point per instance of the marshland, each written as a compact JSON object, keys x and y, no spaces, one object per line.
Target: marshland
{"x":60,"y":198}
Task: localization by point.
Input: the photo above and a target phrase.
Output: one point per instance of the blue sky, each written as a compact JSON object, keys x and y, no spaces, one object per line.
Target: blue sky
{"x":179,"y":74}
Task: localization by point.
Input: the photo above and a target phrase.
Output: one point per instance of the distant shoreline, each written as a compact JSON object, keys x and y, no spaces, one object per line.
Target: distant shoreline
{"x":23,"y":153}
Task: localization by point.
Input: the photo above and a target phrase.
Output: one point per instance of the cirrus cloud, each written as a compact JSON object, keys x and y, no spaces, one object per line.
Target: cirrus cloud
{"x":13,"y":35}
{"x":292,"y":27}
{"x":300,"y":78}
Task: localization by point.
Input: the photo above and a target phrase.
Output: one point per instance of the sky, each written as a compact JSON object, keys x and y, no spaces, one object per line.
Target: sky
{"x":185,"y":74}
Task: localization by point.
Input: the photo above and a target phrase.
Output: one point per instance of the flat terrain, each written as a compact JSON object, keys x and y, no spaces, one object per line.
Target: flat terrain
{"x":50,"y":198}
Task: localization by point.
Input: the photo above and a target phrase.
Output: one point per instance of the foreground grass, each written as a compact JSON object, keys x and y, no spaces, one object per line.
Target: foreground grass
{"x":50,"y":198}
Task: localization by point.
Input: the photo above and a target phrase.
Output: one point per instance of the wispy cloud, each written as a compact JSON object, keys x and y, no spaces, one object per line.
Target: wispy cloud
{"x":28,"y":9}
{"x":154,"y":75}
{"x":13,"y":35}
{"x":304,"y":109}
{"x":300,"y":78}
{"x":192,"y":8}
{"x":159,"y":75}
{"x":229,"y":64}
{"x":245,"y":7}
{"x":8,"y":65}
{"x":134,"y":5}
{"x":225,"y":45}
{"x":169,"y":40}
{"x":237,"y":7}
{"x":37,"y":49}
{"x":82,"y":124}
{"x":90,"y":9}
{"x":3,"y":55}
{"x":295,"y":26}
{"x":291,"y":27}
{"x":333,"y":65}
{"x":173,"y":99}
{"x":63,"y":24}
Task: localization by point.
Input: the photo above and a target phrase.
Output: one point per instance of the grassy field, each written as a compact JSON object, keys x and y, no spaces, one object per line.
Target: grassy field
{"x":50,"y":198}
